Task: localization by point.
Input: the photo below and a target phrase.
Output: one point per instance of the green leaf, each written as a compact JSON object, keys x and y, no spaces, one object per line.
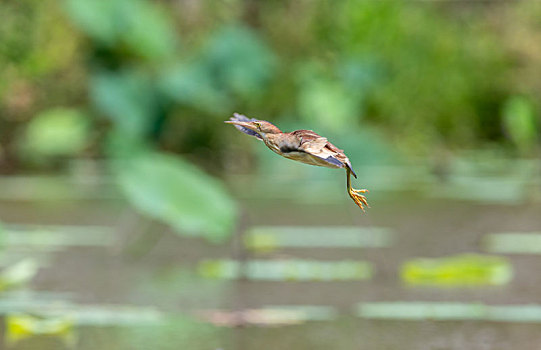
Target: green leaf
{"x":147,"y":29}
{"x":520,"y":122}
{"x":141,"y":25}
{"x":94,"y":18}
{"x":193,"y":85}
{"x":239,"y":61}
{"x":55,"y":132}
{"x":319,"y":99}
{"x":170,"y":189}
{"x":126,"y":98}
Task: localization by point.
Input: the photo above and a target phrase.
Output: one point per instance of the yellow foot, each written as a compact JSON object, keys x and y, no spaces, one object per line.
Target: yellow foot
{"x":358,"y":198}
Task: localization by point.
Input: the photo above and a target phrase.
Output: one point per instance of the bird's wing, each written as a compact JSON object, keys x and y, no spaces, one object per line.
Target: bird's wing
{"x":320,"y":147}
{"x":341,"y":156}
{"x":242,"y":118}
{"x":316,"y":145}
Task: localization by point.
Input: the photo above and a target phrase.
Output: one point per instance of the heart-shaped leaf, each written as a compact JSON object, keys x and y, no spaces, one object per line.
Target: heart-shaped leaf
{"x":170,"y":189}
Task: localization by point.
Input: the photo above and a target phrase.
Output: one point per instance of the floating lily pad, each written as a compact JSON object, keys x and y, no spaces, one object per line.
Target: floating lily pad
{"x":422,"y":311}
{"x":18,"y":274}
{"x":486,"y":189}
{"x":21,"y":326}
{"x":269,"y":316}
{"x":287,"y":270}
{"x":449,"y":311}
{"x":53,"y":237}
{"x":268,"y":238}
{"x":455,"y":271}
{"x":513,"y":243}
{"x":51,"y":188}
{"x":56,"y":306}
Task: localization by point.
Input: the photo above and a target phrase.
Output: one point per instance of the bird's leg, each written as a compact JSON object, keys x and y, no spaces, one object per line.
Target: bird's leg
{"x":356,"y":195}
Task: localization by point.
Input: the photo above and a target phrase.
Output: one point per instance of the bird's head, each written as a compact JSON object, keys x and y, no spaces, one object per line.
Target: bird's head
{"x":261,"y":127}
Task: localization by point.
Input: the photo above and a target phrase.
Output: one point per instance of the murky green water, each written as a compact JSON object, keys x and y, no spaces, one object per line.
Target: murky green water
{"x":137,"y":285}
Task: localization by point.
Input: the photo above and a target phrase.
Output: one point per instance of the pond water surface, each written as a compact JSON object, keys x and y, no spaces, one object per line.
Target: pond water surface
{"x":140,"y":286}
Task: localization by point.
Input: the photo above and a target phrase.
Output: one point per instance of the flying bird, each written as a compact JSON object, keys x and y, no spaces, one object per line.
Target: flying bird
{"x":304,"y":146}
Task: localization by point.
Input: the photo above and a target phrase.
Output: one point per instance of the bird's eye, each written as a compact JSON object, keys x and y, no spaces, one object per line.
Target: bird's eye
{"x":258,"y":125}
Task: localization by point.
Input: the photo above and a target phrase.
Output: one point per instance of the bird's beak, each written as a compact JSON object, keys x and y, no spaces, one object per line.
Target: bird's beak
{"x":248,"y":125}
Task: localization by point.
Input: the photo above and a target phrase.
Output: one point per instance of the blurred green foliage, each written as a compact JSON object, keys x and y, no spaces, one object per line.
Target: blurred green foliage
{"x":137,"y":26}
{"x":55,"y":133}
{"x":521,"y":123}
{"x":423,"y":75}
{"x":430,"y":76}
{"x":126,"y":98}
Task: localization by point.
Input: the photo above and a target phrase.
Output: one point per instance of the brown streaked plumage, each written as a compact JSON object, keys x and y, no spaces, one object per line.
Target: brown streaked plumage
{"x":304,"y":146}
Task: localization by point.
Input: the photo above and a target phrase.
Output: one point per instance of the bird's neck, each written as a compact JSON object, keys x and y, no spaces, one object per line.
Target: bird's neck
{"x":280,"y":141}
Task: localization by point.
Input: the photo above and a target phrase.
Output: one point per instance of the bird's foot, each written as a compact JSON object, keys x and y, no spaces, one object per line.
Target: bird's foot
{"x":358,"y":198}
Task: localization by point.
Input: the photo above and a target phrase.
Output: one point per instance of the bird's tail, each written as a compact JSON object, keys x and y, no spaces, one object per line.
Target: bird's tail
{"x":242,"y":118}
{"x":350,"y":170}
